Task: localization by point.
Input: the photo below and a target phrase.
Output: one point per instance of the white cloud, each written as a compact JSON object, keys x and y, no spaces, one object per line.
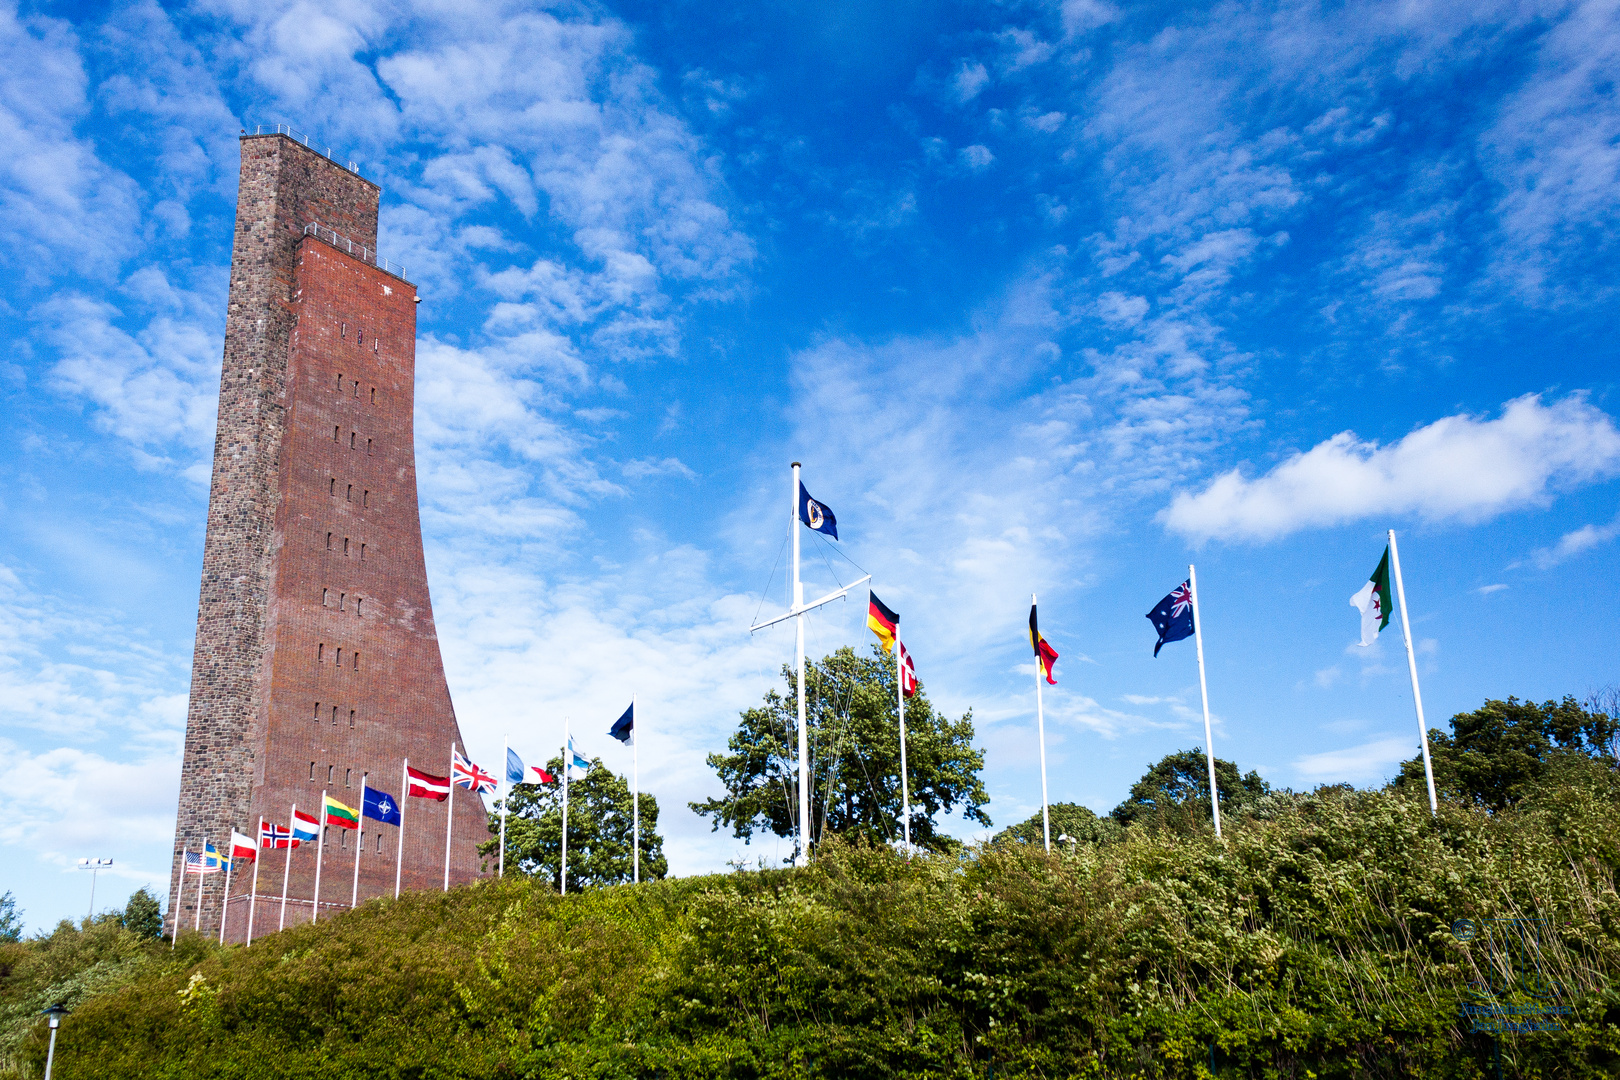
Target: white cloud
{"x":1457,"y":468}
{"x":976,"y":157}
{"x":1574,"y":543}
{"x":1370,"y":762}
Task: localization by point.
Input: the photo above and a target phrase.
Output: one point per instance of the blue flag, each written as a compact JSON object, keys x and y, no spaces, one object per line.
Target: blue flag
{"x":624,"y":728}
{"x":1173,"y":618}
{"x":379,"y":806}
{"x":818,"y":516}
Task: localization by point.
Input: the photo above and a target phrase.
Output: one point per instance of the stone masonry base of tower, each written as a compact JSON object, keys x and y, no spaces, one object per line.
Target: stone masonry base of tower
{"x":317,"y":666}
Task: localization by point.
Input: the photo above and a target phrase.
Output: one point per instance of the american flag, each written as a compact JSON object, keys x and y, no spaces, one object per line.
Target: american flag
{"x":198,"y":863}
{"x":464,"y":773}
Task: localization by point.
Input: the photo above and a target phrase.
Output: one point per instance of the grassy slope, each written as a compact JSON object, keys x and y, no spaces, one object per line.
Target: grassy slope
{"x":1315,"y":941}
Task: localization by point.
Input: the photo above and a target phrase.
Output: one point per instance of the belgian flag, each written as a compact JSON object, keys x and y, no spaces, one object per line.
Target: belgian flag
{"x":881,"y":621}
{"x":1045,"y":655}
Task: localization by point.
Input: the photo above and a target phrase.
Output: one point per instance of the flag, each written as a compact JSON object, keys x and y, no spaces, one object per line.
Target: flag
{"x":379,"y":806}
{"x":578,"y":767}
{"x":519,"y":773}
{"x":1173,"y":618}
{"x":198,"y":863}
{"x":624,"y":728}
{"x":272,"y":835}
{"x":426,"y":785}
{"x":1373,"y":600}
{"x":305,"y":829}
{"x":344,"y":817}
{"x":908,"y":674}
{"x":881,"y":621}
{"x":465,"y":774}
{"x":243,"y":847}
{"x":1045,"y":655}
{"x":818,"y":516}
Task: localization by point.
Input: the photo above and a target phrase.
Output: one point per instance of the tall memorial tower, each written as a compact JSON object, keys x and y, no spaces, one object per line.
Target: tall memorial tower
{"x":316,"y":660}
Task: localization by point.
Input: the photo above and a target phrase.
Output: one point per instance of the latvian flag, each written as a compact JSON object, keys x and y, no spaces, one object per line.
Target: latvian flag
{"x":305,"y":829}
{"x":242,"y":847}
{"x":908,"y":674}
{"x":426,"y":785}
{"x":465,"y":774}
{"x":272,"y":835}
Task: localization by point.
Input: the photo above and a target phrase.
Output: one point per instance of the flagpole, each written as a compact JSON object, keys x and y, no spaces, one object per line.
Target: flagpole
{"x":286,"y":867}
{"x":320,"y":857}
{"x":201,"y":866}
{"x":802,"y":857}
{"x":253,"y":897}
{"x":225,"y":904}
{"x":568,"y":767}
{"x":1040,"y":727}
{"x":359,"y":843}
{"x":1411,"y":666}
{"x":1203,"y":688}
{"x":399,"y":847}
{"x":900,"y":697}
{"x":635,"y":787}
{"x":449,"y":814}
{"x":506,"y":781}
{"x":179,"y":898}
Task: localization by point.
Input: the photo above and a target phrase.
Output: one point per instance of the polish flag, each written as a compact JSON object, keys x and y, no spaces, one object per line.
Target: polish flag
{"x":243,"y":847}
{"x":426,"y":785}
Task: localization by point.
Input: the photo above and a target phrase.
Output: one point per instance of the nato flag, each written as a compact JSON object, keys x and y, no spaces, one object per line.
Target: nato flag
{"x":380,"y":806}
{"x":818,"y":516}
{"x":1173,"y":618}
{"x":624,"y":728}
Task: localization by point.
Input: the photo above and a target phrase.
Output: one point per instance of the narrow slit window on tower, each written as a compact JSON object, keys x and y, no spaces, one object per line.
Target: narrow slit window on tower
{"x":330,"y":769}
{"x":343,"y":836}
{"x":334,"y":715}
{"x":324,"y":594}
{"x":343,"y":598}
{"x":356,"y":387}
{"x":373,"y":344}
{"x":348,"y":496}
{"x":357,"y":602}
{"x":346,"y":545}
{"x":317,"y":712}
{"x":312,"y":772}
{"x":357,"y":661}
{"x":374,"y":395}
{"x":340,"y":656}
{"x":379,"y":844}
{"x":359,"y":337}
{"x":320,"y":651}
{"x":351,"y":718}
{"x":332,"y":488}
{"x":365,"y":498}
{"x":343,"y":330}
{"x":368,"y":448}
{"x":362,"y":553}
{"x":351,"y":440}
{"x":340,"y":382}
{"x":328,"y":541}
{"x":346,"y":774}
{"x":334,"y":433}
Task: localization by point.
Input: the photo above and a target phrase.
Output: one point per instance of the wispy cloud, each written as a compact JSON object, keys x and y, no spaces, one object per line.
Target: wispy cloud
{"x":1575,"y":543}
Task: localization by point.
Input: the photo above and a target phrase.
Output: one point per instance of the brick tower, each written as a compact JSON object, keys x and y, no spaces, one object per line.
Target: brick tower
{"x":316,"y":660}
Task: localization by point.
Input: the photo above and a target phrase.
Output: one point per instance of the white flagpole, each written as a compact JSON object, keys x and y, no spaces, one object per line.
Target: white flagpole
{"x":506,"y":781}
{"x":900,"y":697}
{"x":404,"y":801}
{"x":1411,"y":666}
{"x":225,"y":904}
{"x":802,"y":856}
{"x":359,"y":843}
{"x":320,"y":857}
{"x":179,"y":898}
{"x":635,"y":784}
{"x":1040,"y":728}
{"x":202,"y":854}
{"x":286,"y":867}
{"x":253,"y":897}
{"x":1203,"y":688}
{"x":568,"y":767}
{"x":449,"y":814}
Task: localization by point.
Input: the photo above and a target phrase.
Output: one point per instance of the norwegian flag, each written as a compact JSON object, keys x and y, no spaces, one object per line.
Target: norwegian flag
{"x":465,"y":774}
{"x":272,"y":835}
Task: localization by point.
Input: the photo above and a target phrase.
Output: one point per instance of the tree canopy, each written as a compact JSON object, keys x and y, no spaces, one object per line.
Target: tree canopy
{"x":1180,"y":781}
{"x":1070,"y":822}
{"x":143,"y":915}
{"x":854,"y":735}
{"x":600,"y":830}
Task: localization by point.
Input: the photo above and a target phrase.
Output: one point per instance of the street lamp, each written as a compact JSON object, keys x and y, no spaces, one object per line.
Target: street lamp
{"x":94,"y":866}
{"x":55,"y":1012}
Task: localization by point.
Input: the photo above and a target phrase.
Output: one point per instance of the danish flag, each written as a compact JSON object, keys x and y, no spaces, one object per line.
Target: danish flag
{"x":465,"y":774}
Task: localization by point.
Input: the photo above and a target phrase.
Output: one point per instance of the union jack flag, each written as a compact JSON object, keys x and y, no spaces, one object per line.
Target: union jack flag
{"x":272,"y":835}
{"x":1180,"y":600}
{"x":464,"y":773}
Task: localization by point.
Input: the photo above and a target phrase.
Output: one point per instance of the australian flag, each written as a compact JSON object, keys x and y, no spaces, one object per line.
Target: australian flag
{"x":1173,"y":618}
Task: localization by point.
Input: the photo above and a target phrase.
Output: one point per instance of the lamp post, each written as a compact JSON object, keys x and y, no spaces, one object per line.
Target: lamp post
{"x":55,"y":1012}
{"x":94,"y":866}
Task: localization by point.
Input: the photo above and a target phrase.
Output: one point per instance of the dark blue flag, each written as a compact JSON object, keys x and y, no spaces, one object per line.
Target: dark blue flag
{"x":1173,"y":618}
{"x":818,"y":516}
{"x":379,"y":806}
{"x":624,"y":728}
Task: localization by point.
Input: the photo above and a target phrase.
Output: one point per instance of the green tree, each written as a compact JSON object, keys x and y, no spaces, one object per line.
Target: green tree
{"x":1177,"y":789}
{"x":143,"y":915}
{"x":1069,"y":822}
{"x":600,"y":830}
{"x":1497,"y":754}
{"x":854,"y":734}
{"x":11,"y":922}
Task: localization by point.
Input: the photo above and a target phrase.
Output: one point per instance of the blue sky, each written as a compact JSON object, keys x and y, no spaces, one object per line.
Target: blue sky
{"x":1049,"y":298}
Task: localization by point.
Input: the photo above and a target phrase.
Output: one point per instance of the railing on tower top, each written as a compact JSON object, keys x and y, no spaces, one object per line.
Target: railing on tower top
{"x":299,"y":136}
{"x":359,"y":251}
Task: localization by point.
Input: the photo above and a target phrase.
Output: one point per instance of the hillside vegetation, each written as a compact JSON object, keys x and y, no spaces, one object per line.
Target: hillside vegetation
{"x":1314,"y":941}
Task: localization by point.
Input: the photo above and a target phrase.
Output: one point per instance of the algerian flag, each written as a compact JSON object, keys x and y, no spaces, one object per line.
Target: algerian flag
{"x":1373,"y":601}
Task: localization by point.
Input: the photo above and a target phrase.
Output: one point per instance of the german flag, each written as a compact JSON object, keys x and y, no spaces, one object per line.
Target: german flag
{"x":1045,"y":655}
{"x":881,"y":621}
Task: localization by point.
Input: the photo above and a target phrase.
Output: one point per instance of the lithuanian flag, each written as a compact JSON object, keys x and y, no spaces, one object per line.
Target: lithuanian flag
{"x":1045,"y":655}
{"x":344,"y":817}
{"x":881,"y":621}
